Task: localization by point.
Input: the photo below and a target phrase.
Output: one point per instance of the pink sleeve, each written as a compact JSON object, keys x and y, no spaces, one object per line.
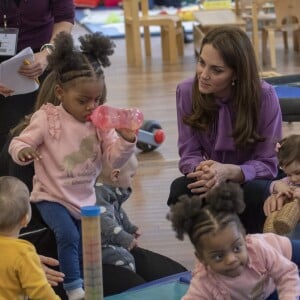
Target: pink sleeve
{"x":116,"y":151}
{"x":196,"y":291}
{"x":283,"y":271}
{"x":31,"y":136}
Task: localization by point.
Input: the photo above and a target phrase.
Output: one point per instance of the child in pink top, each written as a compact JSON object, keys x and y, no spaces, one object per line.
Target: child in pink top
{"x":67,"y":150}
{"x":232,"y":265}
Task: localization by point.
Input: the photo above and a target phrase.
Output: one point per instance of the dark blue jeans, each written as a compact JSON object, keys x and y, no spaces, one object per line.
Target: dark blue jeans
{"x":67,"y":231}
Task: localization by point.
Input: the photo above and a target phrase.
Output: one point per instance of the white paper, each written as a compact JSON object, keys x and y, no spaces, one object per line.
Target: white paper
{"x":10,"y":77}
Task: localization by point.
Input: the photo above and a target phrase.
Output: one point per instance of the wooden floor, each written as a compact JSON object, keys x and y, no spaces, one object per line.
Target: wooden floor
{"x":152,"y":89}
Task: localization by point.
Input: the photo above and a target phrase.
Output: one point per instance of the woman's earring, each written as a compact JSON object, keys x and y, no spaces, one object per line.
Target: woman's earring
{"x":233,"y":82}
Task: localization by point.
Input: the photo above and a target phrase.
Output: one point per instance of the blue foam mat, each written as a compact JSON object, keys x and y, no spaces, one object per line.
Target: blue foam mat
{"x":166,"y":291}
{"x":287,"y":92}
{"x":168,"y":288}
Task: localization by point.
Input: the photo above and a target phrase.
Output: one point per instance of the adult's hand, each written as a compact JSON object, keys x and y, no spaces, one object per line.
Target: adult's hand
{"x":5,"y":91}
{"x":54,"y":277}
{"x":204,"y":178}
{"x":210,"y":173}
{"x":37,"y":67}
{"x":224,"y":172}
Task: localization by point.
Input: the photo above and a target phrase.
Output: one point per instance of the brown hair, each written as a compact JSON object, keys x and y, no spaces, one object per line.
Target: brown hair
{"x":14,"y":202}
{"x":196,"y":216}
{"x":289,"y":150}
{"x":237,"y":52}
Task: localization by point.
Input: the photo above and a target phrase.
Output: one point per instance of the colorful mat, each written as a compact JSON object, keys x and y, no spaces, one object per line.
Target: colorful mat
{"x":110,"y":21}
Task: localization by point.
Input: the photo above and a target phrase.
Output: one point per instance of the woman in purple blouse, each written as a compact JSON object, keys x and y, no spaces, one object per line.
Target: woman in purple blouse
{"x":229,"y":121}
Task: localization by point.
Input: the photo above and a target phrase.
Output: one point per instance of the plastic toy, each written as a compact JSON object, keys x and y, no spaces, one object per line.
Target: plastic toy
{"x":187,"y":13}
{"x":92,"y":255}
{"x":107,"y":117}
{"x":150,"y":136}
{"x":283,"y":221}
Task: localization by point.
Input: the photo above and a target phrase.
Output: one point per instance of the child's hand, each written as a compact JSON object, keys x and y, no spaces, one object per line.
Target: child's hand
{"x":127,"y":134}
{"x":283,"y":188}
{"x":138,"y":233}
{"x":296,"y":194}
{"x":133,"y":244}
{"x":274,"y":202}
{"x":29,"y":153}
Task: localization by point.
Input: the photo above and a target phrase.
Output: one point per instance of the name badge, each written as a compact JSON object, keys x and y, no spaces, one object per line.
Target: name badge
{"x":8,"y":41}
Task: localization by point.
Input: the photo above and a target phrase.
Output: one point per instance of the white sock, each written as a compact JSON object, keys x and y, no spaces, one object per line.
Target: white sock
{"x":76,"y":294}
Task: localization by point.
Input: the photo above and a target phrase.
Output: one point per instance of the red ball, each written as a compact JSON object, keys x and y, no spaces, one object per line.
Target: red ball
{"x":159,"y":136}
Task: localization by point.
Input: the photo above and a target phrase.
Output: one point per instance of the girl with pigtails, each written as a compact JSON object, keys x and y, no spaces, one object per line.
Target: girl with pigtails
{"x":67,"y":150}
{"x":230,"y":264}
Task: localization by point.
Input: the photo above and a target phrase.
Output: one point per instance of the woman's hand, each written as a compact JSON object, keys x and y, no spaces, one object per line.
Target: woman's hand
{"x":28,"y":153}
{"x":204,"y":178}
{"x":5,"y":91}
{"x":210,"y":173}
{"x":54,"y":277}
{"x":37,"y":67}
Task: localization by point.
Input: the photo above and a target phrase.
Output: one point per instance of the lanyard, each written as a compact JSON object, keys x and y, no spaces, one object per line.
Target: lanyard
{"x":5,"y":8}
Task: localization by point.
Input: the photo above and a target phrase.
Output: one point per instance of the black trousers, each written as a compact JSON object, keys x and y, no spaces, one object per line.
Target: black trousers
{"x":14,"y":108}
{"x":255,"y":194}
{"x":149,"y":266}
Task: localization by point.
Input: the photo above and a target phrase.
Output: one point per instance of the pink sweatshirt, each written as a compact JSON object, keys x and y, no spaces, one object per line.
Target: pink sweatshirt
{"x":72,"y":155}
{"x":269,"y":268}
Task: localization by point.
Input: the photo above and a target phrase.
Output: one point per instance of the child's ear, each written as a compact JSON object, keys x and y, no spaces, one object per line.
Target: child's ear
{"x":24,"y":222}
{"x":58,"y":92}
{"x":114,"y":176}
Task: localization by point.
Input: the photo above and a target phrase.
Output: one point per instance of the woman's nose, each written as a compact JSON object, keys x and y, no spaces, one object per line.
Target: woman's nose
{"x":205,"y":74}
